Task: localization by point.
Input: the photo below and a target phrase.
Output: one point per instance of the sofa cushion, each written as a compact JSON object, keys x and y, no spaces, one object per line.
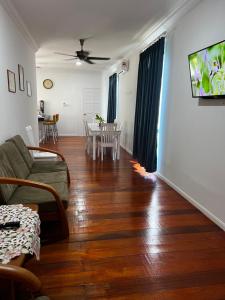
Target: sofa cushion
{"x":16,"y":160}
{"x":6,"y":190}
{"x":51,"y":177}
{"x":48,"y":166}
{"x":44,"y":199}
{"x":21,"y":146}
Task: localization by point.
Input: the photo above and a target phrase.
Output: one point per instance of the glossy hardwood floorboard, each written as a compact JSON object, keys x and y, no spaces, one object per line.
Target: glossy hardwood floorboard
{"x":131,"y":237}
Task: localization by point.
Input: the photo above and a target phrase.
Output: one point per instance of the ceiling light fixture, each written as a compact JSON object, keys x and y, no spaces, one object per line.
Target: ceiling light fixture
{"x":78,"y":62}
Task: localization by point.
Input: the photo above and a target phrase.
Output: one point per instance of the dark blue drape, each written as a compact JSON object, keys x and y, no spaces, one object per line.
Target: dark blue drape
{"x":147,"y":105}
{"x":111,"y":115}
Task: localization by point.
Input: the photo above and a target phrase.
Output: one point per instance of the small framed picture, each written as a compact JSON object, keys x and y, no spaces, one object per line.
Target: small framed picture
{"x":11,"y":81}
{"x":21,"y":78}
{"x":29,"y":90}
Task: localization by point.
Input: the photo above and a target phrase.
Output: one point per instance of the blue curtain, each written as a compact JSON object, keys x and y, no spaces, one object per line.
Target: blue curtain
{"x":111,"y":115}
{"x":147,"y":105}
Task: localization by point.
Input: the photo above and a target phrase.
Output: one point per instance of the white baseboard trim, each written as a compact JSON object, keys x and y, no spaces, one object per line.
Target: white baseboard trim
{"x":69,"y":134}
{"x":126,"y":149}
{"x":204,"y":210}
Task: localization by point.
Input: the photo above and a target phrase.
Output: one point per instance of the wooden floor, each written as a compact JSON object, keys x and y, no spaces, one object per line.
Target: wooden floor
{"x":130,"y":238}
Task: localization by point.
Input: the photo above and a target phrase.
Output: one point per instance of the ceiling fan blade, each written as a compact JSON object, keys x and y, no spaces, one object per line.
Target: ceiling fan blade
{"x":59,"y":53}
{"x":75,"y":57}
{"x":89,"y":62}
{"x":98,"y":58}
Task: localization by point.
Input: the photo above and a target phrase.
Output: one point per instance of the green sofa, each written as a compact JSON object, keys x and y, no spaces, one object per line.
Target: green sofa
{"x":25,"y":181}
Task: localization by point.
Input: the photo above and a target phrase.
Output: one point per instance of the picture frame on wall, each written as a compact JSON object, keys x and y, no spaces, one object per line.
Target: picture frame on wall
{"x":21,"y":77}
{"x":29,"y":89}
{"x":11,"y":81}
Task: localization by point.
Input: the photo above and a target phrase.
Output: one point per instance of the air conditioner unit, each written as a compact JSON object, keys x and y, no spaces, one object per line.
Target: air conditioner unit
{"x":124,"y":66}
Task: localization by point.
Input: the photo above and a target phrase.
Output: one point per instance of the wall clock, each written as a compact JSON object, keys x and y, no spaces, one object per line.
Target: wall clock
{"x":48,"y":83}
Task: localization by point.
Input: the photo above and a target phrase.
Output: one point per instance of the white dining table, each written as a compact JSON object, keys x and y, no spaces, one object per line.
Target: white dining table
{"x":94,"y":131}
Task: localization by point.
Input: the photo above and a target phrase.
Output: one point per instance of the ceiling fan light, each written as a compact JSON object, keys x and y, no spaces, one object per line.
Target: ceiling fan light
{"x":78,"y":63}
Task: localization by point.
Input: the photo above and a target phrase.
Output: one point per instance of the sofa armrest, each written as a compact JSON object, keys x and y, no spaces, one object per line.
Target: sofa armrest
{"x":41,"y":149}
{"x":19,"y":274}
{"x":50,"y":189}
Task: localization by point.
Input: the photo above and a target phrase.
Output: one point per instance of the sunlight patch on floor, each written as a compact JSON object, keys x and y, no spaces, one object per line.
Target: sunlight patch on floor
{"x":141,"y":171}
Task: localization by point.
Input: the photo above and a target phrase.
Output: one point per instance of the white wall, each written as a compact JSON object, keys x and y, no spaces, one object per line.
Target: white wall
{"x":193,"y":136}
{"x":105,"y":92}
{"x":127,"y":102}
{"x":17,"y":110}
{"x":68,"y":87}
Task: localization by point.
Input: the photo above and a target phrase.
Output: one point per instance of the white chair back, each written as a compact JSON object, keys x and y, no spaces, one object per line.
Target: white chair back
{"x":108,"y":133}
{"x":108,"y":126}
{"x":85,"y":127}
{"x":87,"y":134}
{"x":30,"y":135}
{"x":119,"y":126}
{"x":108,"y":136}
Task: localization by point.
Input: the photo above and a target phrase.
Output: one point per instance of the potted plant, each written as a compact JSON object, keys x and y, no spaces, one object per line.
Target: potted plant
{"x":99,"y":119}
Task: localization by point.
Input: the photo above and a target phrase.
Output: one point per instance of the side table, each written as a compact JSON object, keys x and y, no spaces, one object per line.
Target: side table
{"x":19,"y":261}
{"x":12,"y":271}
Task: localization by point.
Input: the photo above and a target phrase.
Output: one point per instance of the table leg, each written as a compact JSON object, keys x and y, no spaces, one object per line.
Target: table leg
{"x":94,"y":147}
{"x":118,"y":146}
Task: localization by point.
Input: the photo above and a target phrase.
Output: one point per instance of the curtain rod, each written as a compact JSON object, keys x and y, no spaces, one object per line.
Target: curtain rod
{"x":164,"y":34}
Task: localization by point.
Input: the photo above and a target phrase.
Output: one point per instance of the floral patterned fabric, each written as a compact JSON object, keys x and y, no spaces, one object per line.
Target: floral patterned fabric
{"x":22,"y":240}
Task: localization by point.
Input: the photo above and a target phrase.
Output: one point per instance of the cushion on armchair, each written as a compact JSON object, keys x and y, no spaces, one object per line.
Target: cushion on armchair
{"x":44,"y":199}
{"x":15,"y":159}
{"x":48,"y":166}
{"x":6,"y":190}
{"x":36,"y":166}
{"x":21,"y":146}
{"x":50,"y":177}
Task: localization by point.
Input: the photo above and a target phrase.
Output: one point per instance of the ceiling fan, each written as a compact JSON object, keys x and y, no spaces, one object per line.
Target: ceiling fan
{"x":83,"y":55}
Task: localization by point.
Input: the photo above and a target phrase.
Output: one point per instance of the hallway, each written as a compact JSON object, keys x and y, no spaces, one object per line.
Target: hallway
{"x":130,"y":237}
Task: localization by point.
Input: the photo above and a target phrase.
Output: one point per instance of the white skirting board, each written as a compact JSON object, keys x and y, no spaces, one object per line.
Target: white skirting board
{"x":126,"y":149}
{"x":204,"y":210}
{"x":69,"y":134}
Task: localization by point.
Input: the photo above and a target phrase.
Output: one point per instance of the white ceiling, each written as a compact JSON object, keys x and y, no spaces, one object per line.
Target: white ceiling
{"x":112,"y":26}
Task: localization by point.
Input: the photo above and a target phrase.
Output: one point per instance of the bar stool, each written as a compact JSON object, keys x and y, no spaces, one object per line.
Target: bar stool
{"x":38,"y":154}
{"x":55,"y":126}
{"x":50,"y":129}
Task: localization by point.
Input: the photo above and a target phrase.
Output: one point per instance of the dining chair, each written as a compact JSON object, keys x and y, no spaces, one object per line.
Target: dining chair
{"x":19,"y":283}
{"x":88,"y":136}
{"x":108,"y":139}
{"x":119,"y":124}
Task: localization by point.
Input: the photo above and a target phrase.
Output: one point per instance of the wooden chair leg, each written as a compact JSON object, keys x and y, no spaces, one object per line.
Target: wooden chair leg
{"x":53,"y":134}
{"x":12,"y":291}
{"x":87,"y":146}
{"x":56,"y":131}
{"x":113,"y":153}
{"x":115,"y":149}
{"x":102,"y":149}
{"x":44,"y":139}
